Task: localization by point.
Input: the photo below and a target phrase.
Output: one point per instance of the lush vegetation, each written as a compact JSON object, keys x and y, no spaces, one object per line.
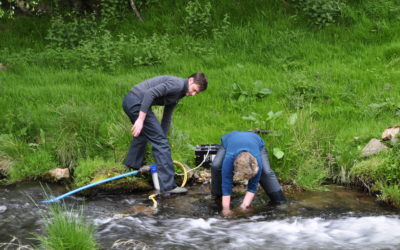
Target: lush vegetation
{"x":320,"y":75}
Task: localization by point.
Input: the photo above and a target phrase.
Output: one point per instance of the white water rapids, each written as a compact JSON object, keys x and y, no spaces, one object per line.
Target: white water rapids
{"x":371,"y":232}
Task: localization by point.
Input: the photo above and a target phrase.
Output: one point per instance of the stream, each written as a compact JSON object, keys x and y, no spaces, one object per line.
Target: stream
{"x":339,"y":218}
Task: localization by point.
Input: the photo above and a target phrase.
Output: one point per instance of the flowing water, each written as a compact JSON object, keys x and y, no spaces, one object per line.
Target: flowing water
{"x":335,"y":219}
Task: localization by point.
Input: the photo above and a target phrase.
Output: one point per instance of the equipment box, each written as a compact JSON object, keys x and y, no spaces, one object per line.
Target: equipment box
{"x":206,"y":153}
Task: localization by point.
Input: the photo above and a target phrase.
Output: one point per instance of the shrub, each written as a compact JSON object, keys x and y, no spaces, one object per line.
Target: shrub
{"x":98,"y":52}
{"x":197,"y":20}
{"x":319,"y":13}
{"x":322,"y":13}
{"x":380,"y":9}
{"x":69,"y":30}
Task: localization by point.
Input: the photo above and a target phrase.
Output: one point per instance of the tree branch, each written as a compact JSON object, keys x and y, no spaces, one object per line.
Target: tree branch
{"x":133,"y":5}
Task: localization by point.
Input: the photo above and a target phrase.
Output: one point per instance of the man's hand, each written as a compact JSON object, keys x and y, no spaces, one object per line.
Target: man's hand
{"x":137,"y":128}
{"x":244,"y":207}
{"x":138,"y":125}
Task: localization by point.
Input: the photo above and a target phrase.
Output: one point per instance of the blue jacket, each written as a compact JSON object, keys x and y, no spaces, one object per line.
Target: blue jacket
{"x":235,"y":143}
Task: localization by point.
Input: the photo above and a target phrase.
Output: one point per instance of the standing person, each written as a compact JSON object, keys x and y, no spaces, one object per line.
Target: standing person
{"x":163,"y":91}
{"x":243,"y":155}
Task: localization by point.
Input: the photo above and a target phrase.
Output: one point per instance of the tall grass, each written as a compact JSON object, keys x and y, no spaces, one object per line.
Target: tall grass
{"x":340,"y":80}
{"x":66,"y":229}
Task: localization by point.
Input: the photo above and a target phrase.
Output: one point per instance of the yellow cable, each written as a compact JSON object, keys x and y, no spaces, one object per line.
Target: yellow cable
{"x":185,"y":172}
{"x":153,"y":198}
{"x":185,"y":178}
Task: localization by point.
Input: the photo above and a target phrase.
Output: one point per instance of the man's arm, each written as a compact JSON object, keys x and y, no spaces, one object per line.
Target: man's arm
{"x":138,"y":125}
{"x":248,"y":199}
{"x":227,"y":182}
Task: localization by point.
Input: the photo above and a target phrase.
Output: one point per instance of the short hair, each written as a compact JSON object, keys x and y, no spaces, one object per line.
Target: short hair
{"x":200,"y":79}
{"x":245,"y":166}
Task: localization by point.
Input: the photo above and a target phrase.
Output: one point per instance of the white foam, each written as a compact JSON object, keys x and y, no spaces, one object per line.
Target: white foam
{"x":373,"y":232}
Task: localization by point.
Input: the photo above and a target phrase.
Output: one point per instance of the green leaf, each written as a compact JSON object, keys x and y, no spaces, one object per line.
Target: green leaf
{"x":292,"y":119}
{"x":242,"y":98}
{"x":249,"y":118}
{"x":278,"y":153}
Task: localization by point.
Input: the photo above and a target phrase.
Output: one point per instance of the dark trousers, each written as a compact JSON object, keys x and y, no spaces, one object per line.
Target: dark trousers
{"x":153,"y":133}
{"x":268,"y":180}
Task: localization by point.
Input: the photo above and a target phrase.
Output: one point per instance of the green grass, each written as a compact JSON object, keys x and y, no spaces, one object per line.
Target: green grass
{"x":341,"y":81}
{"x":66,"y":229}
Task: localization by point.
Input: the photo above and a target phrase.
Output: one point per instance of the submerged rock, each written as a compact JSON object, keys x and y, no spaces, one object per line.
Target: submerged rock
{"x":374,"y":146}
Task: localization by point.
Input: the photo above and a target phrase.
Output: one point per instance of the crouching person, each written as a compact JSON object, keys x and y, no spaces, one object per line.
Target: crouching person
{"x":243,"y":155}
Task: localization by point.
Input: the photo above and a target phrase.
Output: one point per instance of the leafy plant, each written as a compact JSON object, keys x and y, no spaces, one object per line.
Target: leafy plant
{"x":388,"y":106}
{"x":278,"y":153}
{"x":262,"y":121}
{"x":319,"y":13}
{"x":197,"y":21}
{"x":112,"y":11}
{"x":242,"y":95}
{"x":68,"y":30}
{"x":301,"y":94}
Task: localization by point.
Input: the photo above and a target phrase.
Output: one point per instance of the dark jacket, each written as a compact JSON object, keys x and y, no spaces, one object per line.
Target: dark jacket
{"x":162,"y":91}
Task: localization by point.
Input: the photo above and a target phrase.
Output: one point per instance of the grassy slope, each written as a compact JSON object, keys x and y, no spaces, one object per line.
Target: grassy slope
{"x":341,"y":69}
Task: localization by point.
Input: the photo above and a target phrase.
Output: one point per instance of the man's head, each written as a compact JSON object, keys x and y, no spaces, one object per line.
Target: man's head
{"x":197,"y":83}
{"x":245,"y":166}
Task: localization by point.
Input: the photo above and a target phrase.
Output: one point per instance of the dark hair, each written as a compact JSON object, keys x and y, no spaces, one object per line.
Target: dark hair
{"x":200,"y":79}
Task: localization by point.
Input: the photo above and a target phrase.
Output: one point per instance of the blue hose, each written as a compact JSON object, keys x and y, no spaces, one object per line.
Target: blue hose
{"x":89,"y":186}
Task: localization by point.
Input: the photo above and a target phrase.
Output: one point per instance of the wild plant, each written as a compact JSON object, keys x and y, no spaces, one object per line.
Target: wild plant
{"x":319,"y":13}
{"x":242,"y":96}
{"x":66,"y":229}
{"x":197,"y":20}
{"x":69,"y":29}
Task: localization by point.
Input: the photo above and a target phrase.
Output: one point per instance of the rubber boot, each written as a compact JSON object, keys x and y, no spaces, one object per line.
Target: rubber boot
{"x":277,"y":198}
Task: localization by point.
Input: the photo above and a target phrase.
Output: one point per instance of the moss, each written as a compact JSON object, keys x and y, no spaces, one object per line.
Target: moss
{"x":369,"y":169}
{"x":94,"y":170}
